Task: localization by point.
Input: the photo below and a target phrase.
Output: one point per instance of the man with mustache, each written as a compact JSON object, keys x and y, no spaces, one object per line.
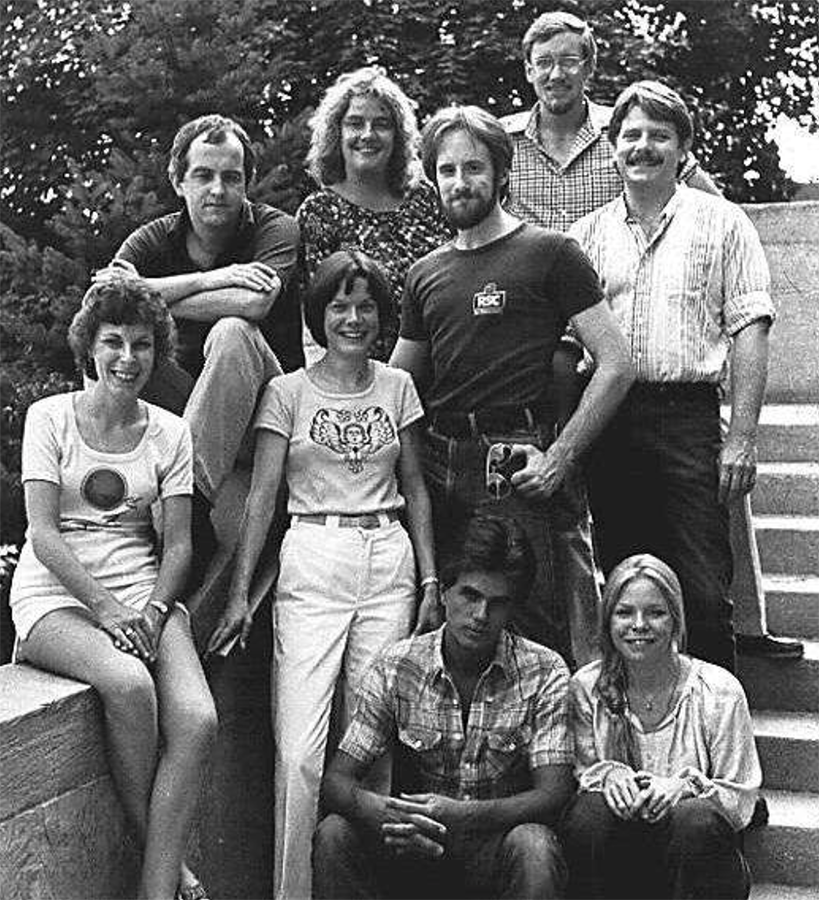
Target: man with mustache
{"x":224,"y":266}
{"x":562,"y":170}
{"x":687,"y":280}
{"x":481,"y":318}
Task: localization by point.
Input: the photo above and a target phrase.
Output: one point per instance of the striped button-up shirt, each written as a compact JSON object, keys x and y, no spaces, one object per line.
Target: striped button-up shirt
{"x":517,"y":721}
{"x":546,"y":193}
{"x":681,"y":294}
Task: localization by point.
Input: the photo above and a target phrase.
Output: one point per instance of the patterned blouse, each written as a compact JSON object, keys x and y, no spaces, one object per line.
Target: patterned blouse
{"x":395,"y":238}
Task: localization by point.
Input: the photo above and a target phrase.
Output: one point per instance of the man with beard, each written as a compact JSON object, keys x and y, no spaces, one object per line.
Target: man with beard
{"x":481,"y":318}
{"x":686,"y":277}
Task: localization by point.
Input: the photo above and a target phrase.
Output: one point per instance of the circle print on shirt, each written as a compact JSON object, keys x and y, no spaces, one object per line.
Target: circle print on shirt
{"x":104,"y":488}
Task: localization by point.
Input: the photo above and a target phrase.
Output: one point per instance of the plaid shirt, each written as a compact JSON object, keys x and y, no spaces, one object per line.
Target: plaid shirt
{"x":546,"y":193}
{"x":680,"y":295}
{"x":517,"y":721}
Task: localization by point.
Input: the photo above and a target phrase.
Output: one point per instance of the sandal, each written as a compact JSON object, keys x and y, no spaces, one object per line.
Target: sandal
{"x":194,"y":891}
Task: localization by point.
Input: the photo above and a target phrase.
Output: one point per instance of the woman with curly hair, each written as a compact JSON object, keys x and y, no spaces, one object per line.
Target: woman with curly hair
{"x":364,"y":155}
{"x":665,"y":754}
{"x":93,"y":598}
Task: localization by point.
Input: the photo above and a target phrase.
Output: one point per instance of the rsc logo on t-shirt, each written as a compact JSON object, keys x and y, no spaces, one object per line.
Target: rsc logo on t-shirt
{"x":489,"y":301}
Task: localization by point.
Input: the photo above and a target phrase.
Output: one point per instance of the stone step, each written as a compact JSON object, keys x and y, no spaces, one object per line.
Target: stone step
{"x":788,"y":745}
{"x":768,"y":891}
{"x":782,"y":684}
{"x":786,"y":851}
{"x":792,"y":604}
{"x":788,"y":545}
{"x":787,"y":488}
{"x":788,"y":432}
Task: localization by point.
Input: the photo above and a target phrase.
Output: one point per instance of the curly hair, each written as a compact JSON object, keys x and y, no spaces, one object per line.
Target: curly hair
{"x":612,"y":683}
{"x":324,"y":158}
{"x":339,"y":270}
{"x":121,"y":300}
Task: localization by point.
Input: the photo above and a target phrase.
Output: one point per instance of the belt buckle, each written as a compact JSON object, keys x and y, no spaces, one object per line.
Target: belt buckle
{"x":368,"y":521}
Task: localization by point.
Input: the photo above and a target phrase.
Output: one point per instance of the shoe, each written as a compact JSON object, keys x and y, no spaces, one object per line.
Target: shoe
{"x":761,"y":815}
{"x":770,"y":646}
{"x":194,"y":891}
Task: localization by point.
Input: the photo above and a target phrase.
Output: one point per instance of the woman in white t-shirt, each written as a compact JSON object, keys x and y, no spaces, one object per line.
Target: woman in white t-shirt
{"x":341,"y":432}
{"x":92,"y":599}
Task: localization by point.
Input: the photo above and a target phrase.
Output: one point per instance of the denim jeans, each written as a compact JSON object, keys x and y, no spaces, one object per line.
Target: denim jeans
{"x":524,"y":862}
{"x":653,"y":483}
{"x":693,"y":853}
{"x":455,"y":470}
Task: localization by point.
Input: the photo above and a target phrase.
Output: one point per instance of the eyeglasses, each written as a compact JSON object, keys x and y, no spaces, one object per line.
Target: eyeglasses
{"x":569,"y":63}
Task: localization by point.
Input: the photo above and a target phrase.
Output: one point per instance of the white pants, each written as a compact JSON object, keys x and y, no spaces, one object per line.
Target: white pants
{"x":342,"y":595}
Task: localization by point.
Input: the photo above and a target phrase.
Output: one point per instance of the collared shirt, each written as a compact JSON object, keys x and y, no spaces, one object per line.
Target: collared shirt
{"x":264,"y":234}
{"x":517,"y":720}
{"x":554,"y":195}
{"x":682,"y":294}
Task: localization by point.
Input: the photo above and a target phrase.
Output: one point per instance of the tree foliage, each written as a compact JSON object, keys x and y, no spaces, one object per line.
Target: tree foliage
{"x":94,"y":90}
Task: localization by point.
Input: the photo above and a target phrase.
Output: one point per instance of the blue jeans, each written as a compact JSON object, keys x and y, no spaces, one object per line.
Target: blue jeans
{"x":524,"y":862}
{"x":455,"y":475}
{"x":653,"y":483}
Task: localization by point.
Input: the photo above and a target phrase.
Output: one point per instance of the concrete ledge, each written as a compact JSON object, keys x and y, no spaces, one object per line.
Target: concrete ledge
{"x":62,"y":830}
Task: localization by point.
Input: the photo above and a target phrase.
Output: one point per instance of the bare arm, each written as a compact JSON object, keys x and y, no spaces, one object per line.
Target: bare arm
{"x":749,"y":374}
{"x":268,"y":467}
{"x":613,"y":375}
{"x":413,"y":357}
{"x":419,"y":520}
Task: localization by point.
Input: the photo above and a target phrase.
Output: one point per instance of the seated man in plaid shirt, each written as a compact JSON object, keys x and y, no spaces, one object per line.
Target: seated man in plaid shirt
{"x":477,"y":718}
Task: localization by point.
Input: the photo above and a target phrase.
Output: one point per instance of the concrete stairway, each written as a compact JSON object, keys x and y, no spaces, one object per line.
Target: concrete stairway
{"x":784,"y":695}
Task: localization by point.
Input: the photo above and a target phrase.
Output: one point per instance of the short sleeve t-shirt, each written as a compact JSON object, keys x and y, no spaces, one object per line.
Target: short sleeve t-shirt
{"x":343,"y":448}
{"x":105,"y":498}
{"x":493,"y":316}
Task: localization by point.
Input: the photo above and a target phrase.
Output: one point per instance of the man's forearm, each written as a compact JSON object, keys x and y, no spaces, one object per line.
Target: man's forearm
{"x":504,"y":813}
{"x":345,"y":796}
{"x":749,"y":375}
{"x":210,"y":306}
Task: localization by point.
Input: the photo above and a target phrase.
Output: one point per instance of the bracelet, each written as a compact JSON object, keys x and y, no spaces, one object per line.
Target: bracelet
{"x":430,"y":579}
{"x":162,"y":607}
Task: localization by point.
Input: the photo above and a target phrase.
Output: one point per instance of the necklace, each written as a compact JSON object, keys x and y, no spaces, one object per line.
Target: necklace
{"x":650,"y":701}
{"x":329,"y":380}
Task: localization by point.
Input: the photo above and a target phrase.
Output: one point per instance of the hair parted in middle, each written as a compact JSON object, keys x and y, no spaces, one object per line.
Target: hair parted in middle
{"x":482,"y":126}
{"x":494,"y":544}
{"x":339,"y":271}
{"x":612,"y":682}
{"x":658,"y":101}
{"x":324,"y":158}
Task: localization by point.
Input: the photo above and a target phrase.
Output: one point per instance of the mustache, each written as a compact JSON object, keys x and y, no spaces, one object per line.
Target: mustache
{"x":636,"y":157}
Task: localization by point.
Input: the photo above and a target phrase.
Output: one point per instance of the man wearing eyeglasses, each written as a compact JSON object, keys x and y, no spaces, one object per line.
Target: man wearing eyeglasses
{"x":563,"y":169}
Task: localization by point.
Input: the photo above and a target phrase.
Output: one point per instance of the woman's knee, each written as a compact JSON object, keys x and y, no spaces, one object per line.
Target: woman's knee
{"x":126,"y":688}
{"x":698,"y":824}
{"x":194,"y":724}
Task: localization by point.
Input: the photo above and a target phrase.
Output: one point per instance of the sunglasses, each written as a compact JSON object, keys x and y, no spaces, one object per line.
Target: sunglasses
{"x":501,"y":464}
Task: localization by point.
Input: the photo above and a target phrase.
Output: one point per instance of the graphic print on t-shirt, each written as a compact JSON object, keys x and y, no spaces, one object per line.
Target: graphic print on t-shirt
{"x":355,"y":434}
{"x":107,"y":490}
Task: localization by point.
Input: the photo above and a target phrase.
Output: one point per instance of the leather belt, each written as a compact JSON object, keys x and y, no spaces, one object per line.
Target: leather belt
{"x":492,"y":420}
{"x":332,"y":520}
